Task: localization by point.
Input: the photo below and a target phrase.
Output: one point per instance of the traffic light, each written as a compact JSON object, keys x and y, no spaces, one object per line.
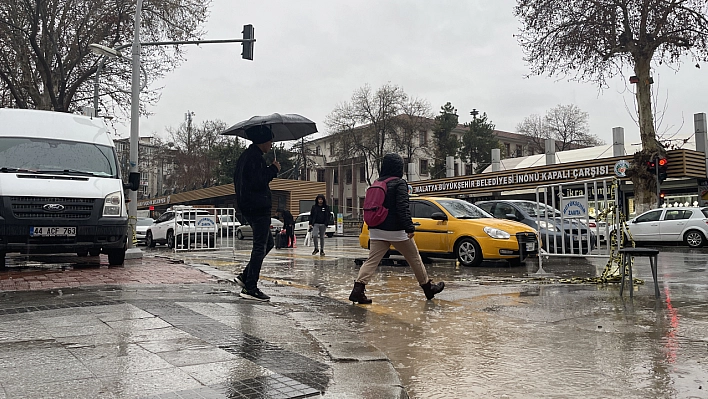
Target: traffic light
{"x":663,"y":166}
{"x":247,"y":43}
{"x":651,"y":166}
{"x":661,"y":198}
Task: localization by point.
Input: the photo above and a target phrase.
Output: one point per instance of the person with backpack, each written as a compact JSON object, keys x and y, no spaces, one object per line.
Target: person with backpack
{"x":391,"y":225}
{"x":319,"y":216}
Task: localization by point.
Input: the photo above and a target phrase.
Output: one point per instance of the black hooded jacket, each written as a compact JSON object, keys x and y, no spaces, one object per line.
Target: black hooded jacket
{"x":399,"y":216}
{"x":319,"y":214}
{"x":251,"y":179}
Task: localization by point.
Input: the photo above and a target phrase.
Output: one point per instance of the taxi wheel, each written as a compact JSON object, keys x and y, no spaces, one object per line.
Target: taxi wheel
{"x":468,"y":252}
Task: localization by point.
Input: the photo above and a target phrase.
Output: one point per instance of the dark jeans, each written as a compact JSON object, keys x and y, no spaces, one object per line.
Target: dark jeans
{"x":262,"y":244}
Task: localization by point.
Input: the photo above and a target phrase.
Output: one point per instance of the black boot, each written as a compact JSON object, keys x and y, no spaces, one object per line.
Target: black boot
{"x":358,"y":295}
{"x":431,"y":289}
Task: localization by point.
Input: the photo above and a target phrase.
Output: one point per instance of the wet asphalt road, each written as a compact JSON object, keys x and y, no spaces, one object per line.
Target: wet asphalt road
{"x":498,"y":331}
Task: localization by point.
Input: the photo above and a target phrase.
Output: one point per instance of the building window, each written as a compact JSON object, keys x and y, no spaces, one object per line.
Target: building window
{"x":468,"y":169}
{"x":457,"y":169}
{"x":320,"y":175}
{"x":349,"y":204}
{"x":317,"y":150}
{"x":424,"y":167}
{"x":519,"y":151}
{"x":348,"y":173}
{"x":331,"y":149}
{"x":507,"y":146}
{"x":360,"y":210}
{"x":423,"y":138}
{"x":335,"y":178}
{"x":362,"y":174}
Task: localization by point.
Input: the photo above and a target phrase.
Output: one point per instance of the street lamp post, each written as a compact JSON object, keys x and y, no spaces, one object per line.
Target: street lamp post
{"x":247,"y":41}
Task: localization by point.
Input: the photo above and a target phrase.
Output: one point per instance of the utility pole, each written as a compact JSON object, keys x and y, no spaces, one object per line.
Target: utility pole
{"x":188,"y":118}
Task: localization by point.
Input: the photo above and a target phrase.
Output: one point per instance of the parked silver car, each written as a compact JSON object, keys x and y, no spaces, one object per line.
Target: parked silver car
{"x":245,"y":230}
{"x":677,"y":224}
{"x":141,"y":228}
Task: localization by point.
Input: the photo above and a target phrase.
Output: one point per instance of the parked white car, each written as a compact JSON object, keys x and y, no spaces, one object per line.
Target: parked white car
{"x":141,"y":228}
{"x":677,"y":224}
{"x":245,"y":230}
{"x":302,"y":224}
{"x":182,"y":226}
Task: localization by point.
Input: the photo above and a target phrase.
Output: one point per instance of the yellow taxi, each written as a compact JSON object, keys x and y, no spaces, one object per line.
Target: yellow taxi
{"x":453,"y":228}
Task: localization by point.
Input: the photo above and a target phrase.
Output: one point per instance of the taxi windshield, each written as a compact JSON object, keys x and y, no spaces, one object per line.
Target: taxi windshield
{"x":463,"y":209}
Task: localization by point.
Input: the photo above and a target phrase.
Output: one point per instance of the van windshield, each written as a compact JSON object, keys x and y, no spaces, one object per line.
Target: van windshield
{"x":56,"y":156}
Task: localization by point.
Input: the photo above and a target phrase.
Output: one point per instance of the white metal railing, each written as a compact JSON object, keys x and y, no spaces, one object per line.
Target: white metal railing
{"x":202,"y":228}
{"x":599,"y":194}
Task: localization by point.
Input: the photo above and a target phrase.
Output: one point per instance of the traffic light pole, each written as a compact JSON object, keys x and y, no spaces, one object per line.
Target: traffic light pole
{"x":658,"y":183}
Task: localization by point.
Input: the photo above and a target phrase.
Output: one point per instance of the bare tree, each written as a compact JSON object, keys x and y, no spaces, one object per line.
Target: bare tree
{"x":591,"y":40}
{"x":364,"y":125}
{"x":196,"y":157}
{"x":416,"y":118}
{"x":45,"y":62}
{"x":535,"y":128}
{"x":566,"y":124}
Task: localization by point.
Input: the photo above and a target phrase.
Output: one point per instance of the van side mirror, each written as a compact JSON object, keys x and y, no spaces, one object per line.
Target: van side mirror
{"x":438,"y":216}
{"x":133,"y":181}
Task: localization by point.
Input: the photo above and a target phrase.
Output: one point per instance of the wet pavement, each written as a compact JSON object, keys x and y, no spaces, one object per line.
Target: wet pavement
{"x":170,"y":325}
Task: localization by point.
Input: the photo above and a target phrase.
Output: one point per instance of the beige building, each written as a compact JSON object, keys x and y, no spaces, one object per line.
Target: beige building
{"x":156,"y":166}
{"x":348,"y":178}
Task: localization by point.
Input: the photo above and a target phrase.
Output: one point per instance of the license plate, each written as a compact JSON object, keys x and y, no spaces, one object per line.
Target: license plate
{"x":530,"y":246}
{"x":52,"y":231}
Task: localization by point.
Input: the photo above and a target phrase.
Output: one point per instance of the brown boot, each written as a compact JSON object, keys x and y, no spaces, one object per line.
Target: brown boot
{"x":358,"y":295}
{"x":431,"y":289}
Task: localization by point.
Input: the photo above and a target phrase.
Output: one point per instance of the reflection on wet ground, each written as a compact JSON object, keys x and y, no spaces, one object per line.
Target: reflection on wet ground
{"x":503,"y":332}
{"x":498,"y":331}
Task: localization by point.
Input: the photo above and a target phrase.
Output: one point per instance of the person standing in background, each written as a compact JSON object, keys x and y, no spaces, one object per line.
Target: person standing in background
{"x":319,"y":216}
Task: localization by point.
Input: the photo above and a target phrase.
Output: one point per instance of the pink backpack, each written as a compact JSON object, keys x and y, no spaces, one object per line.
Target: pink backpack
{"x":374,"y":211}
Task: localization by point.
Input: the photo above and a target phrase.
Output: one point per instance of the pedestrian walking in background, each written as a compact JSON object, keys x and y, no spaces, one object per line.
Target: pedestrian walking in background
{"x":251,"y":183}
{"x":319,"y":216}
{"x":289,"y":225}
{"x":397,"y":230}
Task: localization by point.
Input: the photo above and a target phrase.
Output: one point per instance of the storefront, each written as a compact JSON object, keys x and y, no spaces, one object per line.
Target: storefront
{"x":685,"y":169}
{"x":292,"y":195}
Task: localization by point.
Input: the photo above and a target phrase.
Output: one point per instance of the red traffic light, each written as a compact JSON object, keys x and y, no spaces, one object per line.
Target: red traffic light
{"x":663,"y":161}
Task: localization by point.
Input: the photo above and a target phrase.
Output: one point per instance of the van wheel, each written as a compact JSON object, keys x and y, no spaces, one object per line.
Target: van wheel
{"x":694,"y":239}
{"x":239,"y":235}
{"x":149,"y":241}
{"x":468,"y":252}
{"x":116,"y":256}
{"x":170,"y":239}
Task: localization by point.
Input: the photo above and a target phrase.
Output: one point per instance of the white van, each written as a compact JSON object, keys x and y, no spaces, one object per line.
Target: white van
{"x":60,"y":186}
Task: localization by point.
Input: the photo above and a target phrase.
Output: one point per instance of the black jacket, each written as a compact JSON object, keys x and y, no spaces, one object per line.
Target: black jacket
{"x":399,"y":215}
{"x":319,"y":214}
{"x":251,"y":179}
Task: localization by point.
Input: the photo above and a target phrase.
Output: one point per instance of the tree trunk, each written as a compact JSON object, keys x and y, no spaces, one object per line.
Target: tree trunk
{"x":645,"y":197}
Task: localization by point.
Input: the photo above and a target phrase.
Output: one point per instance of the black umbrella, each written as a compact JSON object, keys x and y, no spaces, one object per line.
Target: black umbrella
{"x":284,"y":126}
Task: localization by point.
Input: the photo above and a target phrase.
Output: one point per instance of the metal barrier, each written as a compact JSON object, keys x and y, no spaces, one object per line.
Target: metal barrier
{"x":197,"y":229}
{"x":578,"y":237}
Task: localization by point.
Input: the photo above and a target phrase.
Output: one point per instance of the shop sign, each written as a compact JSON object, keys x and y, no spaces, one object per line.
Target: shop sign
{"x":621,"y":168}
{"x":507,"y":182}
{"x":702,"y":192}
{"x":155,"y":201}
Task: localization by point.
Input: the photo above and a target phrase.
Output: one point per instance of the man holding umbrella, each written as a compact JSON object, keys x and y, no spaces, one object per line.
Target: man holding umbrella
{"x":251,"y":183}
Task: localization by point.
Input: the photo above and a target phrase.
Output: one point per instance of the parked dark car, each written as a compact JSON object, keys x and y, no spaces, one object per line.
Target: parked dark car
{"x":547,"y":221}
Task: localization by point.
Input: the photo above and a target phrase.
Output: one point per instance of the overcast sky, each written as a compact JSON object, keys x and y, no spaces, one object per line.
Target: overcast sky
{"x":312,"y":55}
